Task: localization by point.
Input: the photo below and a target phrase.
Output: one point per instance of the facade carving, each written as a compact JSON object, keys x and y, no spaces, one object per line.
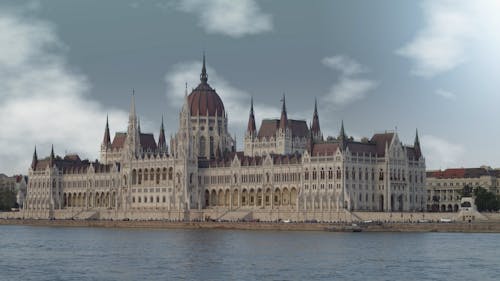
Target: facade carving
{"x":285,"y":165}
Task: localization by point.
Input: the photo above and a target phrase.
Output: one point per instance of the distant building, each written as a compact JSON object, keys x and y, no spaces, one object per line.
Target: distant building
{"x":285,"y":165}
{"x":444,"y":186}
{"x":16,"y":184}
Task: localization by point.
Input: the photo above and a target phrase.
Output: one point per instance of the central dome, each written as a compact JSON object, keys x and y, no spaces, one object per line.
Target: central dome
{"x":203,"y":100}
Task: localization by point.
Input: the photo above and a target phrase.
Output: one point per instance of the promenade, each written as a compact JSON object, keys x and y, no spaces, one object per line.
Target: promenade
{"x":474,"y":227}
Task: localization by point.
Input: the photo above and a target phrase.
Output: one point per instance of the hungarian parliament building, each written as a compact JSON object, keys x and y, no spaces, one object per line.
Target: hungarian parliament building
{"x":286,"y":169}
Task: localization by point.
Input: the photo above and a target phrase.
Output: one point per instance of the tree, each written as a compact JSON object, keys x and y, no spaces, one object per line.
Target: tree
{"x":485,"y":200}
{"x":7,"y":199}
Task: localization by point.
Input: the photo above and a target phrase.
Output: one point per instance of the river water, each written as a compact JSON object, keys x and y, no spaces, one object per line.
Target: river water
{"x":74,"y":253}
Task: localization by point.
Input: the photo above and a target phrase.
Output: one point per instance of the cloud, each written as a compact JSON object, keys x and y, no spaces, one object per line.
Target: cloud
{"x":44,"y":101}
{"x":344,"y":64}
{"x":445,"y":94}
{"x":440,"y":153}
{"x":451,"y":27}
{"x":232,"y":18}
{"x":349,"y":86}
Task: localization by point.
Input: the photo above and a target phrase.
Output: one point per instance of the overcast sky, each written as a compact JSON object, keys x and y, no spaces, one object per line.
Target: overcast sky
{"x":378,"y":65}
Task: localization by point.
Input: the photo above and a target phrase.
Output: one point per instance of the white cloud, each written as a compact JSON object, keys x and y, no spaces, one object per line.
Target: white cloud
{"x":451,"y":27}
{"x":344,"y":64}
{"x":445,"y":94}
{"x":228,"y":17}
{"x":44,"y":102}
{"x":349,"y":87}
{"x":440,"y":153}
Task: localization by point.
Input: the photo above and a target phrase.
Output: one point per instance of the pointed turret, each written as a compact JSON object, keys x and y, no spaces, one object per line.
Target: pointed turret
{"x":203,"y":75}
{"x":106,"y":141}
{"x":52,"y":156}
{"x":162,"y":145}
{"x":133,"y":131}
{"x":315,"y":128}
{"x":132,"y":106}
{"x":251,"y":128}
{"x":284,"y":118}
{"x":35,"y":160}
{"x":139,"y":125}
{"x":418,"y":152}
{"x":342,"y":136}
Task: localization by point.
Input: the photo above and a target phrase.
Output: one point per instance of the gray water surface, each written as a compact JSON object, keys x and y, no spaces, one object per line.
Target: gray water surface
{"x":66,"y":253}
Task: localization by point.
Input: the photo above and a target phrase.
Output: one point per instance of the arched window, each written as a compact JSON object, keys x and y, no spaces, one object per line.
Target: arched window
{"x":139,"y":177}
{"x":202,"y":146}
{"x":306,"y":175}
{"x":164,"y":174}
{"x":314,"y":174}
{"x":158,"y":176}
{"x":212,"y":153}
{"x":152,"y":174}
{"x":322,"y":174}
{"x":381,"y":175}
{"x":145,"y":175}
{"x":170,"y":173}
{"x":339,"y":174}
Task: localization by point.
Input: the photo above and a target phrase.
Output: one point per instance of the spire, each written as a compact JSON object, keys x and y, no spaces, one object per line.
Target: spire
{"x":35,"y":160}
{"x":107,"y":139}
{"x":251,"y":129}
{"x":52,"y":156}
{"x":315,"y":128}
{"x":342,"y":136}
{"x":132,"y":105}
{"x":161,"y":139}
{"x":284,"y":118}
{"x":139,"y":125}
{"x":416,"y":145}
{"x":203,"y":75}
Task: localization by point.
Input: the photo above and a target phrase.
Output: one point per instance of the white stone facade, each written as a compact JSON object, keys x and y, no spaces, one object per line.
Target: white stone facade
{"x":294,"y":171}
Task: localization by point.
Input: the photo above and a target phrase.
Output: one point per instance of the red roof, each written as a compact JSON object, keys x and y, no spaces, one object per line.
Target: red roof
{"x":118,"y":140}
{"x":381,"y":140}
{"x":204,"y":100}
{"x":324,"y":149}
{"x":269,"y":128}
{"x":460,"y":173}
{"x":147,"y":141}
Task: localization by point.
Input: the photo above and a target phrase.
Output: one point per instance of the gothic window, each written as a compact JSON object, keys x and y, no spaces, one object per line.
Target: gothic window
{"x":314,"y":174}
{"x":170,"y":173}
{"x":381,"y":175}
{"x":212,"y":153}
{"x":330,"y":173}
{"x":164,"y":174}
{"x":139,"y":177}
{"x":306,"y":175}
{"x":158,"y":176}
{"x":322,"y":174}
{"x":346,"y":174}
{"x":202,"y":146}
{"x":339,"y":174}
{"x":152,"y":175}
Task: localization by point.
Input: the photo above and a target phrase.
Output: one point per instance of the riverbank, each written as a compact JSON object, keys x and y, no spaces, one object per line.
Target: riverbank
{"x":475,"y":227}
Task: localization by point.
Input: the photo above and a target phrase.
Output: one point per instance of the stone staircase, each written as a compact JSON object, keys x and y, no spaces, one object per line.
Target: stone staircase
{"x":87,"y":215}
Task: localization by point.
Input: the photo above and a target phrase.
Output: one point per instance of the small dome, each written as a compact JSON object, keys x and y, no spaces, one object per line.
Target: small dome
{"x":204,"y":100}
